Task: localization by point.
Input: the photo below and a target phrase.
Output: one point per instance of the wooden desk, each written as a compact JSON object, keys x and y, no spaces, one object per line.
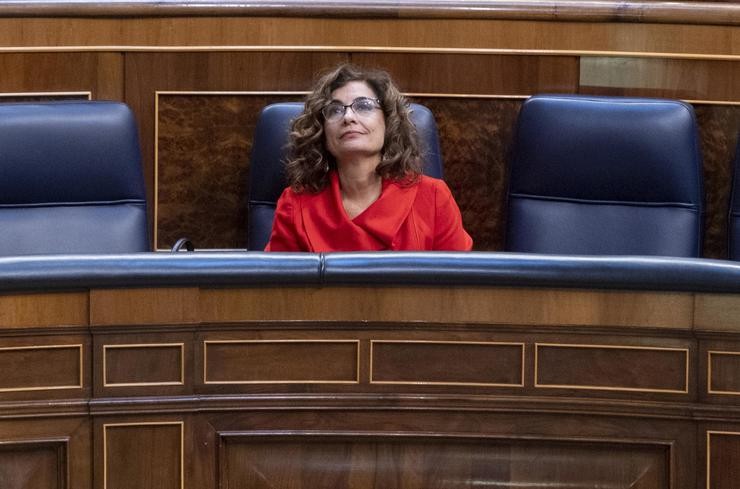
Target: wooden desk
{"x":415,"y":386}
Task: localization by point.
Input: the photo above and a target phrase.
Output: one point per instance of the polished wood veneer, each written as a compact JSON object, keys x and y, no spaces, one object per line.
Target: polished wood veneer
{"x":335,"y":386}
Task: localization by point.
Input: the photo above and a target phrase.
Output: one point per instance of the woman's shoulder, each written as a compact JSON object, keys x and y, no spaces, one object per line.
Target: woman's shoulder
{"x":431,"y":184}
{"x":302,"y":198}
{"x":290,"y":193}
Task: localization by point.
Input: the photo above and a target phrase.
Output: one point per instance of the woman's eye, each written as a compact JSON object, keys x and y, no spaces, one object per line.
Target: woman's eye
{"x":333,"y":110}
{"x":364,"y":106}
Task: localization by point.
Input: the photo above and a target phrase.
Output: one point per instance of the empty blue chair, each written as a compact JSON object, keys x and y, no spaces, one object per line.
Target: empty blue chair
{"x":70,"y":179}
{"x":733,"y":228}
{"x":605,"y":176}
{"x":269,"y":150}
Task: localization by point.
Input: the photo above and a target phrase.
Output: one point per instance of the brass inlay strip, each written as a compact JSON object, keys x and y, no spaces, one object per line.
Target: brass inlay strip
{"x":144,"y":345}
{"x":709,"y":372}
{"x":372,"y":49}
{"x":452,"y":343}
{"x":215,"y":382}
{"x":709,"y":452}
{"x":685,"y":390}
{"x":45,"y":94}
{"x":155,"y":211}
{"x":44,"y":388}
{"x":153,"y":423}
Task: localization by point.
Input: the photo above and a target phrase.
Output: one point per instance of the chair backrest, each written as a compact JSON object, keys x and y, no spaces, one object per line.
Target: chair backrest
{"x":733,"y":228}
{"x":70,"y":179}
{"x":269,"y":149}
{"x":605,"y":176}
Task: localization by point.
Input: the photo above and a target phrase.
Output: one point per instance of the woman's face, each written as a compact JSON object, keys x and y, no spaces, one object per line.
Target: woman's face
{"x":355,"y":134}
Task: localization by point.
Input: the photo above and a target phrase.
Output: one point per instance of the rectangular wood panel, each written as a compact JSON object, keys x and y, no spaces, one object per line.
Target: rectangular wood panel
{"x":207,"y":137}
{"x":447,"y":363}
{"x":166,"y":305}
{"x":143,"y":364}
{"x":146,"y":455}
{"x":451,"y":305}
{"x":33,"y":465}
{"x":32,"y":310}
{"x":100,"y":73}
{"x":717,"y":312}
{"x":280,"y":361}
{"x":659,"y":77}
{"x":612,"y":367}
{"x":346,"y":32}
{"x":723,"y":372}
{"x":401,"y":462}
{"x":41,"y":367}
{"x":723,"y":459}
{"x":471,"y":74}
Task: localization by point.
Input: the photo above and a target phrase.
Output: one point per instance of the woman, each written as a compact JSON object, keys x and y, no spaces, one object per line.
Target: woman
{"x":354,"y":170}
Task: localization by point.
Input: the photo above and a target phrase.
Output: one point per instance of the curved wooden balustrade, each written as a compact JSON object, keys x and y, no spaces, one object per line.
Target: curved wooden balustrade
{"x":368,"y":370}
{"x":559,"y":10}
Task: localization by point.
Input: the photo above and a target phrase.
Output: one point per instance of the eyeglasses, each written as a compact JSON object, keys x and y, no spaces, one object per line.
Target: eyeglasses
{"x":361,"y":106}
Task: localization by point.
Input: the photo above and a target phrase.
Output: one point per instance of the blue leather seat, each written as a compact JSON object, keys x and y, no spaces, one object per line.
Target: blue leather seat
{"x":70,"y":179}
{"x":733,"y":228}
{"x":605,"y":176}
{"x":266,"y":177}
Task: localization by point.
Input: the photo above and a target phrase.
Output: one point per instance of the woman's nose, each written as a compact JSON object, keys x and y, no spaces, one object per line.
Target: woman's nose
{"x":349,"y":115}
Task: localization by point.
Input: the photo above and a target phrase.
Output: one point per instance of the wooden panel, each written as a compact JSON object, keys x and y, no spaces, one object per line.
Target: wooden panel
{"x":447,"y":363}
{"x":476,"y":74}
{"x":659,"y":77}
{"x":420,"y":33}
{"x":451,"y":305}
{"x":99,"y":73}
{"x":723,"y":372}
{"x":109,"y":307}
{"x":370,"y":462}
{"x":33,"y":465}
{"x":280,"y":361}
{"x":41,"y":367}
{"x":719,"y":127}
{"x":612,"y":367}
{"x":723,"y":459}
{"x":717,"y":312}
{"x":143,"y":364}
{"x":43,"y":97}
{"x":45,"y":453}
{"x":62,"y":309}
{"x":128,"y":362}
{"x":143,"y":456}
{"x":204,"y":146}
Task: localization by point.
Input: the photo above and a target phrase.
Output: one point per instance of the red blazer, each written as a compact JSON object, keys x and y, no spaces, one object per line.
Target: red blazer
{"x":422,"y":216}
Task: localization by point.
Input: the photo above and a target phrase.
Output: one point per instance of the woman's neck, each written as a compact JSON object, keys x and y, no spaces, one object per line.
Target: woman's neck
{"x":360,"y":187}
{"x":359,"y":177}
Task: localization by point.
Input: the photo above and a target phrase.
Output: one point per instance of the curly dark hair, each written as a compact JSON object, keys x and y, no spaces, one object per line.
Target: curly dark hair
{"x":309,"y":162}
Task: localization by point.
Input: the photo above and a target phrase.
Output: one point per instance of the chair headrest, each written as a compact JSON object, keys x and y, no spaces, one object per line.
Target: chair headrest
{"x":607,"y":148}
{"x":77,"y":151}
